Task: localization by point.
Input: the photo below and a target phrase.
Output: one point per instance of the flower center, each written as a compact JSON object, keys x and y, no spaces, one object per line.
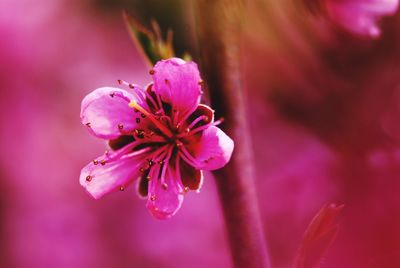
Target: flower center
{"x":152,"y":118}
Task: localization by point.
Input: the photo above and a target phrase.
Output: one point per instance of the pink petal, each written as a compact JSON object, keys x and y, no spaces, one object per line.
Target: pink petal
{"x":117,"y":170}
{"x":163,"y":202}
{"x":106,"y":112}
{"x":213,"y":150}
{"x":190,"y":176}
{"x":177,"y":82}
{"x":361,"y":16}
{"x":143,"y":187}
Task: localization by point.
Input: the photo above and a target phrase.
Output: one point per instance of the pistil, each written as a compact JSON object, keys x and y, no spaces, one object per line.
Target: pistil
{"x":153,"y":119}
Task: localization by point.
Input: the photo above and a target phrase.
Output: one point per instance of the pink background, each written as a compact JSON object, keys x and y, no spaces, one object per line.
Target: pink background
{"x":324,"y":110}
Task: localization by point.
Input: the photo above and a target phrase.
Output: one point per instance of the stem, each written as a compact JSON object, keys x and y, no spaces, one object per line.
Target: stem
{"x":218,"y":28}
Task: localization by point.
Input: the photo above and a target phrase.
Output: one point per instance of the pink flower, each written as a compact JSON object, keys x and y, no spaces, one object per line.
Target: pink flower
{"x":162,"y":135}
{"x":360,"y":16}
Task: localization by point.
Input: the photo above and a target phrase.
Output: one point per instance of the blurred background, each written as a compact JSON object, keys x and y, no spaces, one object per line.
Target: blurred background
{"x":323,"y":107}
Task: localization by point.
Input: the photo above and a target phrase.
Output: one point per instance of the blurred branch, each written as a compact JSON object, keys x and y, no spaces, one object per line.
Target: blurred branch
{"x":218,"y":25}
{"x":149,"y":42}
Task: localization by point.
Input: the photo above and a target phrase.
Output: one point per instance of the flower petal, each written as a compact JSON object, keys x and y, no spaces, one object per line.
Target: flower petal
{"x":106,"y":112}
{"x":111,"y":171}
{"x":165,"y":198}
{"x":361,"y":16}
{"x":143,"y":184}
{"x":177,"y":82}
{"x":190,"y":176}
{"x":213,"y":150}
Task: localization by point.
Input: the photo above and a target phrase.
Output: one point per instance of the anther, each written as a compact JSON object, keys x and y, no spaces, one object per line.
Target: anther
{"x":186,"y":189}
{"x":141,"y":170}
{"x":119,"y":81}
{"x":95,"y":162}
{"x":112,"y":95}
{"x":143,"y":115}
{"x":121,"y":188}
{"x":120,"y":126}
{"x":138,"y":120}
{"x":153,"y":197}
{"x":89,"y":178}
{"x":103,"y":162}
{"x":164,"y":186}
{"x":88,"y":124}
{"x":151,"y":72}
{"x":106,"y":152}
{"x":178,"y":143}
{"x":161,"y":162}
{"x":150,"y":162}
{"x":148,"y":178}
{"x":131,"y":86}
{"x":201,"y":82}
{"x":139,"y":133}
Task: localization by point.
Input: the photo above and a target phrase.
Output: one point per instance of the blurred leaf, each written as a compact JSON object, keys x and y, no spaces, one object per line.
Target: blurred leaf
{"x":318,"y":237}
{"x":150,"y":41}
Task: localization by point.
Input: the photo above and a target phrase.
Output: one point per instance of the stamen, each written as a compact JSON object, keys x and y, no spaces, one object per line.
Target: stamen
{"x":122,"y":82}
{"x":178,"y":174}
{"x":155,"y":156}
{"x":162,"y":128}
{"x":178,"y":143}
{"x":149,"y":97}
{"x":95,"y":162}
{"x":139,"y":93}
{"x":188,"y":156}
{"x":139,"y":133}
{"x":186,"y":116}
{"x":164,"y":168}
{"x":121,"y":188}
{"x":103,"y":162}
{"x":89,"y":178}
{"x":200,"y":128}
{"x":167,"y":118}
{"x":187,"y":160}
{"x":120,"y":126}
{"x":160,"y":103}
{"x":198,"y":119}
